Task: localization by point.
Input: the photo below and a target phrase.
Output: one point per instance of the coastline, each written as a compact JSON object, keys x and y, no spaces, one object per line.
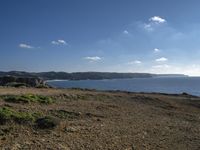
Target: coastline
{"x":169,"y":85}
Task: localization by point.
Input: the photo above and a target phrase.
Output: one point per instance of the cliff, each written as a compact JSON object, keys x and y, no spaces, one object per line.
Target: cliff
{"x":21,"y":81}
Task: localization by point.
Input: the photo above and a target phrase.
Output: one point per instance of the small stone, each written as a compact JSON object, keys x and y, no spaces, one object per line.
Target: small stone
{"x":70,"y":129}
{"x":98,"y":119}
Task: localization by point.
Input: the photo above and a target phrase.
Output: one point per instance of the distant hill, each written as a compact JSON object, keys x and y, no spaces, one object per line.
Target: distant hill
{"x":91,"y":75}
{"x":83,"y":75}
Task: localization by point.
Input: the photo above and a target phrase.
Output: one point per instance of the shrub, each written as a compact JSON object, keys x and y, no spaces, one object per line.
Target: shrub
{"x":47,"y":122}
{"x":23,"y":117}
{"x":15,"y":84}
{"x":8,"y":114}
{"x":5,"y":115}
{"x":28,"y":98}
{"x":16,"y":99}
{"x":65,"y":114}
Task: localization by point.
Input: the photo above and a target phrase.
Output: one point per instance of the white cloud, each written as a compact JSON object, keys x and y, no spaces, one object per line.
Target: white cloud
{"x":156,"y":50}
{"x":59,"y":42}
{"x":22,"y":45}
{"x":93,"y":59}
{"x":125,"y":32}
{"x":62,"y":42}
{"x":157,"y":19}
{"x":55,"y":43}
{"x":162,"y":59}
{"x":134,"y":62}
{"x":153,"y":23}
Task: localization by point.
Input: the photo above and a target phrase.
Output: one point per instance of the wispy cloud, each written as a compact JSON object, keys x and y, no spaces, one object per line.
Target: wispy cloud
{"x":161,"y":66}
{"x":157,"y":19}
{"x":93,"y":59}
{"x":162,"y":59}
{"x":26,"y":46}
{"x":190,"y":69}
{"x":125,"y":32}
{"x":156,"y":50}
{"x":134,"y":62}
{"x":59,"y":42}
{"x":148,"y":27}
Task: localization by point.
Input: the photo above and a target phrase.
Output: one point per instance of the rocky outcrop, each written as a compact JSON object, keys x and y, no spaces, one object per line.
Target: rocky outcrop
{"x":26,"y":81}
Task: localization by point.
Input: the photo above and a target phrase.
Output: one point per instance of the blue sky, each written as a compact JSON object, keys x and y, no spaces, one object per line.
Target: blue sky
{"x":100,"y":35}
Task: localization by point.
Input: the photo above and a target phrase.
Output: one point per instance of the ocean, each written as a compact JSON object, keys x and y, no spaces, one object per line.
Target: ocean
{"x":170,"y":85}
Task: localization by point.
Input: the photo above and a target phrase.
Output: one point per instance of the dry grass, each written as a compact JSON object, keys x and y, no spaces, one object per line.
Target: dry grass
{"x":104,"y":120}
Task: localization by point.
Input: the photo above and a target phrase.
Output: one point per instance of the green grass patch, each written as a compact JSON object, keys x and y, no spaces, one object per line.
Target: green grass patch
{"x":63,"y":114}
{"x":8,"y":114}
{"x":28,"y":98}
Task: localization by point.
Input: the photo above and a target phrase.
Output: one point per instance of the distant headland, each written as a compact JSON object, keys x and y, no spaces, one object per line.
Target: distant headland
{"x":84,"y":75}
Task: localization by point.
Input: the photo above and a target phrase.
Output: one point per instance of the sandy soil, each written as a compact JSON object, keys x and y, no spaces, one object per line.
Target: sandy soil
{"x":106,"y":121}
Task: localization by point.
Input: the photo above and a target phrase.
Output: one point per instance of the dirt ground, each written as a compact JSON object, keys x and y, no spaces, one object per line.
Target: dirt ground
{"x":95,"y":120}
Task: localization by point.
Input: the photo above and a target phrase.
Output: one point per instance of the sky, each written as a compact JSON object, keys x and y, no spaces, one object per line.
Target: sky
{"x":100,"y":35}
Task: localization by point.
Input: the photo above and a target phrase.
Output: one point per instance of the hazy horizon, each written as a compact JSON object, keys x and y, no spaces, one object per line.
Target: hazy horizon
{"x":160,"y":37}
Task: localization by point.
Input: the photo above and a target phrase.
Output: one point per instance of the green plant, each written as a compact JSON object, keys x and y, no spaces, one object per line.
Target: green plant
{"x":28,"y":98}
{"x":63,"y":114}
{"x":8,"y":114}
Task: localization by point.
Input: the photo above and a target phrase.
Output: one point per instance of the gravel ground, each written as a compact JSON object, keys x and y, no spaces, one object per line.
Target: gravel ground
{"x":94,"y":120}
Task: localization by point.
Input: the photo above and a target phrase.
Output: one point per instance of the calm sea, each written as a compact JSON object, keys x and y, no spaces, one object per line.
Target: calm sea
{"x":172,"y":85}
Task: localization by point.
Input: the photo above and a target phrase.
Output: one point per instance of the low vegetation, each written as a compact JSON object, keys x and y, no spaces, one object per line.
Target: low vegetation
{"x":15,"y":84}
{"x":47,"y":122}
{"x":28,"y":98}
{"x":80,"y":116}
{"x":63,"y":114}
{"x":8,"y":115}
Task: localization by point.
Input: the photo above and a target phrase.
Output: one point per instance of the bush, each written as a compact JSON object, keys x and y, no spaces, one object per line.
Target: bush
{"x":47,"y":122}
{"x":16,"y":99}
{"x":15,"y":84}
{"x":23,"y":117}
{"x":28,"y":98}
{"x":65,"y":114}
{"x":7,"y":114}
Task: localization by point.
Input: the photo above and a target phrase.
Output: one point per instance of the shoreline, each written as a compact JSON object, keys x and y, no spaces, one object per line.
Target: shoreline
{"x":144,"y":85}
